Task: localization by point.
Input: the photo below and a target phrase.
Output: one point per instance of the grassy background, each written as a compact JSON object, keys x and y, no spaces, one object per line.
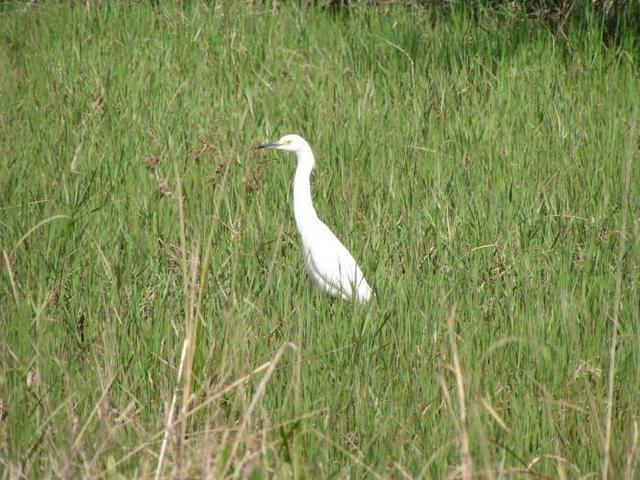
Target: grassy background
{"x":475,"y":168}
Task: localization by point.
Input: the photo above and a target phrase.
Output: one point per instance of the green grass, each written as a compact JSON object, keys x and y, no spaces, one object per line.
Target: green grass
{"x":475,"y":168}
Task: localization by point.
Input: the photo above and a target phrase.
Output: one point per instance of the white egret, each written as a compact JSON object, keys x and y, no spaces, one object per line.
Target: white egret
{"x":331,"y":267}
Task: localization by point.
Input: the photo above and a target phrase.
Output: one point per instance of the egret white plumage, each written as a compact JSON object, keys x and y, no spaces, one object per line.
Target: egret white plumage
{"x":331,"y":267}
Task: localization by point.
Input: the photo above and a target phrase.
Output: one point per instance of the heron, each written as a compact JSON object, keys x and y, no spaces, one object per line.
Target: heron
{"x":331,"y":266}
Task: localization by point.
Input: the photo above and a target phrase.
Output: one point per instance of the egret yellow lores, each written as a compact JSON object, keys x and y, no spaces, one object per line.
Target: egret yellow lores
{"x":331,"y":267}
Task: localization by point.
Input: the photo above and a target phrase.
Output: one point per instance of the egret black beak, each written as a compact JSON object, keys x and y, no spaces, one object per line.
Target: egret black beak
{"x":268,"y":145}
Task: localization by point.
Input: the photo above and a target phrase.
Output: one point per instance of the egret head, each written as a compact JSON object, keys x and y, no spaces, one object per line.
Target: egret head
{"x":288,"y":143}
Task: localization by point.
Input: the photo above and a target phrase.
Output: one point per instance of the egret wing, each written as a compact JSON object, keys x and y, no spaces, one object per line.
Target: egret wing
{"x":331,"y":261}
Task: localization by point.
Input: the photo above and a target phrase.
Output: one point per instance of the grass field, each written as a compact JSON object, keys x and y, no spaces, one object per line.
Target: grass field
{"x":156,"y":317}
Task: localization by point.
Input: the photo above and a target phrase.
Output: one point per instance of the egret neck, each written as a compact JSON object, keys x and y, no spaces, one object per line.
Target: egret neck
{"x":303,"y":209}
